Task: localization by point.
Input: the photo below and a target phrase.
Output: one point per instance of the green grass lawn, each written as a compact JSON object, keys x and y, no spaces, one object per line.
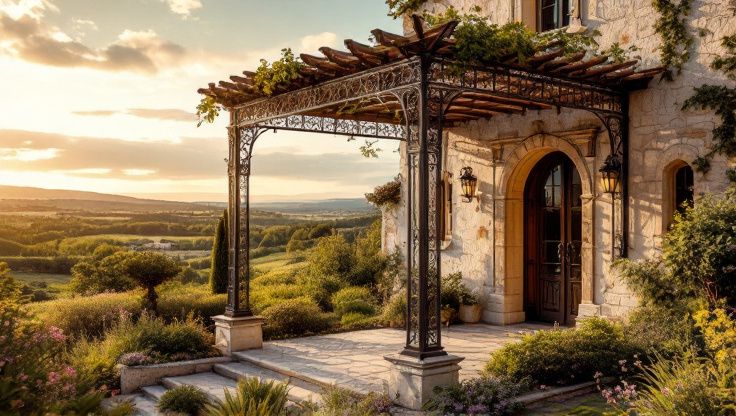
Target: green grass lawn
{"x":48,"y":278}
{"x":58,"y":284}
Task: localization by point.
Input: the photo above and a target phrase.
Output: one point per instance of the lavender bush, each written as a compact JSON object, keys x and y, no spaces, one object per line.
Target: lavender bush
{"x":480,"y":396}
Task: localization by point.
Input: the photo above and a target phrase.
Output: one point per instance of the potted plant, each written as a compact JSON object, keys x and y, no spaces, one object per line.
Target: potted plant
{"x":450,"y":294}
{"x":470,"y":309}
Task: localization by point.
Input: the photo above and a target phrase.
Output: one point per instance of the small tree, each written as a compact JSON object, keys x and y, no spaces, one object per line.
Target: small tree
{"x":104,"y":271}
{"x":218,"y":269}
{"x":150,"y":269}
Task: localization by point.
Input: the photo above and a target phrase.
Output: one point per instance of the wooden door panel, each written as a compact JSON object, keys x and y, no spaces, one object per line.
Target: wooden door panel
{"x":553,"y":231}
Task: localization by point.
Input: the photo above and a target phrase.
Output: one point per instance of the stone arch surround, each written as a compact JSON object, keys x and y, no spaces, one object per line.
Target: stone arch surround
{"x":510,"y":241}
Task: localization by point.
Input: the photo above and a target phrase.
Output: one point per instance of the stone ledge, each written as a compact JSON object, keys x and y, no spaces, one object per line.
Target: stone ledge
{"x":134,"y":377}
{"x":537,"y":398}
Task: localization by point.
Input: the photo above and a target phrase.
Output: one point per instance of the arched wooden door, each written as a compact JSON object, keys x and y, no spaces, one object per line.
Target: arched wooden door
{"x":553,"y":229}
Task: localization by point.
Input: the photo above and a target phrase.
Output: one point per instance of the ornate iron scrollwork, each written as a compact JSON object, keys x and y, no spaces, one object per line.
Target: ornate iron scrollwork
{"x":241,"y":141}
{"x":423,"y":107}
{"x":381,"y":80}
{"x":355,"y":128}
{"x":617,"y":128}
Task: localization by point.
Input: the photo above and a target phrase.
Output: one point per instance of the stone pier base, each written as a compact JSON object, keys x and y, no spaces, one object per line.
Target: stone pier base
{"x":238,"y":334}
{"x":411,"y":380}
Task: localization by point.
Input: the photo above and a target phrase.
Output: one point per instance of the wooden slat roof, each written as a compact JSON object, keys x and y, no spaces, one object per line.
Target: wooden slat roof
{"x":549,"y":60}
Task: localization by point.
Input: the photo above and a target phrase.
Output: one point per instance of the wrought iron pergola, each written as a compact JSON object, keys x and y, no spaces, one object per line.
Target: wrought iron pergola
{"x":410,"y":88}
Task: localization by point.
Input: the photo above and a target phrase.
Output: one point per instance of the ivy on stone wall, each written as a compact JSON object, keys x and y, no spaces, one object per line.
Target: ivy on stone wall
{"x":676,"y":41}
{"x":722,"y":100}
{"x":727,"y":62}
{"x":398,"y":8}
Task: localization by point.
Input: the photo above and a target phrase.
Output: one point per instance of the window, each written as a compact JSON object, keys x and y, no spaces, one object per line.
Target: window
{"x":552,"y":14}
{"x":544,"y":15}
{"x":446,"y":213}
{"x":677,"y":192}
{"x":683,"y":188}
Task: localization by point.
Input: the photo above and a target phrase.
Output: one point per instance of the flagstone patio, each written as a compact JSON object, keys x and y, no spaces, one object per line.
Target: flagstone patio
{"x":354,"y":360}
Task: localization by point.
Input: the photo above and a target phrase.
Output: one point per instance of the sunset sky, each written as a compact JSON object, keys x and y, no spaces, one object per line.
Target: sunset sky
{"x":99,"y":95}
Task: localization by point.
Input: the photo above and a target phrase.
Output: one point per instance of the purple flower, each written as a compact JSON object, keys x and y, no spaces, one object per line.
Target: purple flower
{"x":134,"y":358}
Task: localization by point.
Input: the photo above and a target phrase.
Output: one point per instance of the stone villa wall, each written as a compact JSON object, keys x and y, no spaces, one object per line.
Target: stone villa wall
{"x":486,"y":236}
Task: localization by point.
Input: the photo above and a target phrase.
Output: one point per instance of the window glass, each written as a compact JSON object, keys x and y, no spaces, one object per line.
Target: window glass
{"x":553,"y":14}
{"x":683,"y":188}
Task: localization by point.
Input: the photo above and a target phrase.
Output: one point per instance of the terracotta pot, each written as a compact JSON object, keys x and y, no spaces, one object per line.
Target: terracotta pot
{"x":446,"y":315}
{"x":470,"y":314}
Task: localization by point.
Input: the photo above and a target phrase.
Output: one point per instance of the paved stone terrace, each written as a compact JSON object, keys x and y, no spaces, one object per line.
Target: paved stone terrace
{"x":354,"y":360}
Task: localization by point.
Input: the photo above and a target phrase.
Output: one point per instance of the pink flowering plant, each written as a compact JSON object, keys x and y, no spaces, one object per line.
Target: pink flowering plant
{"x":624,"y":393}
{"x":33,"y":377}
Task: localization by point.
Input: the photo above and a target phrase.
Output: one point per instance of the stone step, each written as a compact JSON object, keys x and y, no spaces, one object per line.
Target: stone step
{"x":212,"y":384}
{"x":312,"y":375}
{"x":143,"y":404}
{"x":299,"y":390}
{"x":153,"y":392}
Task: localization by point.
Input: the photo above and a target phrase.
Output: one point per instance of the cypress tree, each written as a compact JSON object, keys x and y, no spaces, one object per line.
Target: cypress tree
{"x":218,"y":268}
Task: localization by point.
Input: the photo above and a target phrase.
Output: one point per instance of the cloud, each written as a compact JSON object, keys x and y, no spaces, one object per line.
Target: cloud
{"x":311,"y":43}
{"x":81,"y":27}
{"x":167,"y":114}
{"x":96,"y":113}
{"x":188,"y":158}
{"x":183,"y":8}
{"x":27,"y":36}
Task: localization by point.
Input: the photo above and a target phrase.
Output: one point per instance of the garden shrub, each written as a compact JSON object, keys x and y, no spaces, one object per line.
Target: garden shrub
{"x":150,"y":338}
{"x":177,"y":301}
{"x":266,"y":296}
{"x":698,"y":258}
{"x":294,"y":317}
{"x":92,"y":315}
{"x":189,"y":275}
{"x":659,"y":331}
{"x":337,"y":401}
{"x":354,"y":299}
{"x":280,"y":275}
{"x":564,"y":356}
{"x":321,"y":288}
{"x":87,"y":315}
{"x":253,"y":397}
{"x":394,"y":311}
{"x":332,"y":256}
{"x":355,"y":320}
{"x":478,"y":396}
{"x":187,"y":400}
{"x":369,"y":261}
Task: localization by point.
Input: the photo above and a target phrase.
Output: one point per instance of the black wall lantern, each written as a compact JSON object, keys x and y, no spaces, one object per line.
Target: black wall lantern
{"x":611,"y":175}
{"x":469,"y":182}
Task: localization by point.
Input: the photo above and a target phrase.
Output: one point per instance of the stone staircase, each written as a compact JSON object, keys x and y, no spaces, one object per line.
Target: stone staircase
{"x":302,"y":388}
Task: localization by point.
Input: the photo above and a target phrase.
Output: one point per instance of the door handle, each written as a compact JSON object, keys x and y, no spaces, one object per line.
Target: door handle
{"x":570,"y":252}
{"x":560,"y":251}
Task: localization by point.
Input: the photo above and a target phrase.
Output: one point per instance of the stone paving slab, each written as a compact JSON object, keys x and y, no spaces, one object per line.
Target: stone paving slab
{"x":354,"y":360}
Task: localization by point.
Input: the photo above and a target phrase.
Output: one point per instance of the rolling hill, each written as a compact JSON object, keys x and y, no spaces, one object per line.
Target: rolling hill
{"x":20,"y":199}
